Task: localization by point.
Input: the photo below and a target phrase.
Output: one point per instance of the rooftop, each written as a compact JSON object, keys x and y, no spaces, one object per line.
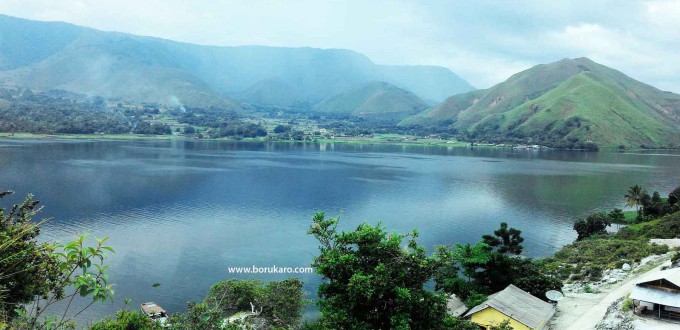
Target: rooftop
{"x":519,"y":305}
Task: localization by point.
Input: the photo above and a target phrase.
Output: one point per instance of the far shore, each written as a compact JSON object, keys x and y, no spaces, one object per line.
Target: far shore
{"x":378,"y":139}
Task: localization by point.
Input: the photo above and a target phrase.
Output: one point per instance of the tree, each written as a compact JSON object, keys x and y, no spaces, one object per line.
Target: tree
{"x":279,"y":302}
{"x":371,"y":281}
{"x":199,"y":316}
{"x":26,"y":267}
{"x":488,"y":270}
{"x":634,"y":197}
{"x":35,"y":277}
{"x":505,"y":325}
{"x":458,"y":323}
{"x":505,"y":240}
{"x":125,"y":320}
{"x":281,"y":129}
{"x":674,"y":196}
{"x":595,"y":223}
{"x":652,"y":206}
{"x":617,"y":216}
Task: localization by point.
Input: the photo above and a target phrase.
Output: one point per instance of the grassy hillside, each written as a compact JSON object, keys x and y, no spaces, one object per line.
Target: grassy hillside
{"x":374,"y":100}
{"x":569,"y":103}
{"x":51,"y":55}
{"x":447,"y":112}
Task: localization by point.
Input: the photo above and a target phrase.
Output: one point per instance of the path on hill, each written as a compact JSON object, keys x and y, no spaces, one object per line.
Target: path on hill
{"x":583,"y":311}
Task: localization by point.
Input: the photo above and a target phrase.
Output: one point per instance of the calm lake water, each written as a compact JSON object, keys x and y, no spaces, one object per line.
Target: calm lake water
{"x":180,"y":212}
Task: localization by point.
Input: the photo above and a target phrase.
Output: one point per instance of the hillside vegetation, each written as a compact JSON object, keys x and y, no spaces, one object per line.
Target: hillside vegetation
{"x":374,"y":100}
{"x":570,"y":103}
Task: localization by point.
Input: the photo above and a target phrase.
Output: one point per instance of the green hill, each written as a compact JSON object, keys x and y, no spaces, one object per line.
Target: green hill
{"x":55,"y":55}
{"x":378,"y":100}
{"x":569,"y":103}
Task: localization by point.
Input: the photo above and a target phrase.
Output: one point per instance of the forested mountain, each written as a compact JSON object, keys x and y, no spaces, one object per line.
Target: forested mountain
{"x":378,"y":100}
{"x":572,"y":102}
{"x":54,"y":55}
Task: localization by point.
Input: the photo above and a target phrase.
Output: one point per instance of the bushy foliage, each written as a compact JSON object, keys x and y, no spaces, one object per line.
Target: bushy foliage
{"x":590,"y":256}
{"x":152,"y":129}
{"x":665,"y":227}
{"x":459,"y":323}
{"x":505,"y":240}
{"x":125,"y":320}
{"x":489,"y":269}
{"x":594,"y":224}
{"x":199,"y":316}
{"x":654,"y":206}
{"x":674,"y":196}
{"x":279,"y":302}
{"x":282,"y":129}
{"x":34,"y":277}
{"x":370,"y":281}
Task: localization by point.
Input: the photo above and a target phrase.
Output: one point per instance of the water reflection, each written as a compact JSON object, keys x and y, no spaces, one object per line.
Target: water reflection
{"x":181,"y":212}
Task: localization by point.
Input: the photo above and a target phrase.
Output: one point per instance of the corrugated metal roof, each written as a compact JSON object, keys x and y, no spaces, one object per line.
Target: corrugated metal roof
{"x":455,"y":306}
{"x":519,"y":305}
{"x":671,"y":275}
{"x":657,"y":296}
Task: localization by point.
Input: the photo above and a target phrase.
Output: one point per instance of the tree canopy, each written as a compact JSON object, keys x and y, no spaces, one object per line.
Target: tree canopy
{"x":371,"y":281}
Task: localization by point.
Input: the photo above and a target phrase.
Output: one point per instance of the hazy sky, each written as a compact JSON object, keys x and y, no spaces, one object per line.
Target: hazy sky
{"x":482,"y":41}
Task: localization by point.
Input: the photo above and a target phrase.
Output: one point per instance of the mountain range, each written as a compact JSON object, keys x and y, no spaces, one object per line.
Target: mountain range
{"x":564,"y":103}
{"x":570,"y":103}
{"x":56,"y":55}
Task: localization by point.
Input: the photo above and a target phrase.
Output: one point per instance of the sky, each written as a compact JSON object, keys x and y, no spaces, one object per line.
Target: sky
{"x":482,"y":41}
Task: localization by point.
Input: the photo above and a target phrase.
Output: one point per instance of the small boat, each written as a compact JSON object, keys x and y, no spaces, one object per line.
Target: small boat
{"x":155,"y":313}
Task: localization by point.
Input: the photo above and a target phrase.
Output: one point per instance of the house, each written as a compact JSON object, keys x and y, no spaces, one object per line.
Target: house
{"x":524,"y":311}
{"x":455,"y":307}
{"x":658,"y":295}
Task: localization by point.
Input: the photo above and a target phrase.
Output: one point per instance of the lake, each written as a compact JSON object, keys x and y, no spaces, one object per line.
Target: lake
{"x":179,"y":213}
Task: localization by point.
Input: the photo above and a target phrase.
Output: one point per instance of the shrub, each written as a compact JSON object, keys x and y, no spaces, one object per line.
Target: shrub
{"x":594,"y":255}
{"x":587,"y":289}
{"x":627,"y":305}
{"x":475,"y":299}
{"x":125,"y":320}
{"x":675,"y":257}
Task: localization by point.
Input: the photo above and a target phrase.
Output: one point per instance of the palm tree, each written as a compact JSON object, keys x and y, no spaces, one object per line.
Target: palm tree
{"x":634,"y":197}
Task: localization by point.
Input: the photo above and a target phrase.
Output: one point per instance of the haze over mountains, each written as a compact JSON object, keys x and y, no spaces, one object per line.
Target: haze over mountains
{"x":54,"y":55}
{"x":562,"y":103}
{"x":571,"y":103}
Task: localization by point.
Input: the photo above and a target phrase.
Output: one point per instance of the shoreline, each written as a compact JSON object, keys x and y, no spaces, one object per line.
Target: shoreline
{"x":366,"y":141}
{"x":386,"y":139}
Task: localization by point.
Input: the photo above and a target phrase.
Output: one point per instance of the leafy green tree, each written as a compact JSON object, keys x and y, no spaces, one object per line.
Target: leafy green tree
{"x":505,"y":325}
{"x":459,"y":323}
{"x":475,"y":299}
{"x":472,"y":257}
{"x":371,"y":281}
{"x":27,"y":268}
{"x":199,"y":316}
{"x":281,"y":129}
{"x":674,"y":196}
{"x":488,"y":270}
{"x":634,"y":197}
{"x":617,"y":216}
{"x":35,"y":277}
{"x":593,"y":224}
{"x":125,"y":320}
{"x":505,"y":240}
{"x":279,"y":302}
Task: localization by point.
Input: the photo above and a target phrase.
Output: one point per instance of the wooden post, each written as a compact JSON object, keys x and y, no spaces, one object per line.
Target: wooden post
{"x":659,"y":311}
